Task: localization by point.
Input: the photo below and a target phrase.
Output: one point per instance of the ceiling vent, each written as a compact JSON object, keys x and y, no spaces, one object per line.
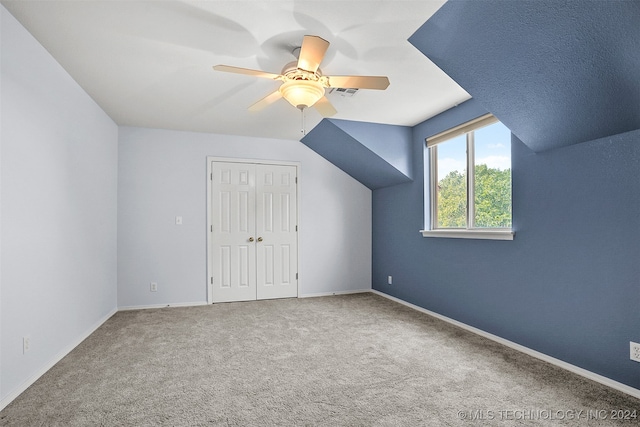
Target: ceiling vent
{"x":346,"y":92}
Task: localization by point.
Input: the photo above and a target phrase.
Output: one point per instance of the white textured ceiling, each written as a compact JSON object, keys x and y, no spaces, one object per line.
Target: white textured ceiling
{"x":148,"y":63}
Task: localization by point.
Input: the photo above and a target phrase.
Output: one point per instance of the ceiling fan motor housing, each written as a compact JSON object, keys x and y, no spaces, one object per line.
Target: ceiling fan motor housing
{"x":301,"y":88}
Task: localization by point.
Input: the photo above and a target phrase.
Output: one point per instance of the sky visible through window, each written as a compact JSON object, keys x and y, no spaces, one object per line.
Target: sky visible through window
{"x":492,"y":145}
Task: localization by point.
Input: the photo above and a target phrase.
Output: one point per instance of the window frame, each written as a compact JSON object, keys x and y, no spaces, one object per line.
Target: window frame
{"x":470,"y":232}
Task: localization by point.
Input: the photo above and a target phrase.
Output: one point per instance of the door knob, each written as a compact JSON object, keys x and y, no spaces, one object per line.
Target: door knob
{"x":251,"y":239}
{"x":259,"y":239}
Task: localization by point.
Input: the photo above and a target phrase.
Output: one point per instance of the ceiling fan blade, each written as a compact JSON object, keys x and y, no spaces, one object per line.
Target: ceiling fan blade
{"x":266,"y":101}
{"x":324,"y":107}
{"x":247,"y":71}
{"x":359,"y":82}
{"x":311,"y":53}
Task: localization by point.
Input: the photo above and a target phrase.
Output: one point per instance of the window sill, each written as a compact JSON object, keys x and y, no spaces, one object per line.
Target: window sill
{"x":470,"y":234}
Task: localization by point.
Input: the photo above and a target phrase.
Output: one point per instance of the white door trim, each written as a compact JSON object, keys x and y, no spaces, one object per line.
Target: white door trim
{"x":210,"y":161}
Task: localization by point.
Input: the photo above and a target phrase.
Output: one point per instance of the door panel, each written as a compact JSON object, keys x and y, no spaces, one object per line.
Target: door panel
{"x":276,"y":251}
{"x":233,"y":224}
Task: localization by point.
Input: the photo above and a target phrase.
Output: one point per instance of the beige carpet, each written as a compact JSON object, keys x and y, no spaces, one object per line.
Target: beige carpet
{"x":355,"y":360}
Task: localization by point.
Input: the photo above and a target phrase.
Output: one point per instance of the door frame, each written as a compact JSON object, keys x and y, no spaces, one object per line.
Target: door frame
{"x":209,"y":231}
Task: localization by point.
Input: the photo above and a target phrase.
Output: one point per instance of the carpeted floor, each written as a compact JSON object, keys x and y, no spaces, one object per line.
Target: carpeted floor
{"x":354,"y":360}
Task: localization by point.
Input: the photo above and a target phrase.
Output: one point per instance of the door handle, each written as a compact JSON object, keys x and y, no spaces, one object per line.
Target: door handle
{"x":259,"y":239}
{"x":251,"y":239}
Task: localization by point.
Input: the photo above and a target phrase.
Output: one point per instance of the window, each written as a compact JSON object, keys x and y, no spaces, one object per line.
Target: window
{"x":470,"y":181}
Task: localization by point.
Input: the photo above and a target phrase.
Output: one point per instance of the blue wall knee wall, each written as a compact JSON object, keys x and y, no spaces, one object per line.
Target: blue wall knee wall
{"x":566,"y":286}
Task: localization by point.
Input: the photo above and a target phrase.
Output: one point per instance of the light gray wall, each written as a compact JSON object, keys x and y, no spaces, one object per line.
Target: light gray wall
{"x":162,"y":174}
{"x":59,"y":195}
{"x":65,"y":262}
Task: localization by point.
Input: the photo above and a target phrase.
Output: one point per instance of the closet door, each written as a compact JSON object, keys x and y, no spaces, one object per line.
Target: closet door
{"x":233,"y":232}
{"x":276,"y":231}
{"x":254,"y":242}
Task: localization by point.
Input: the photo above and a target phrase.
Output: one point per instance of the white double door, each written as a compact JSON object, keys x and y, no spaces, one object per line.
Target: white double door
{"x":254,"y":244}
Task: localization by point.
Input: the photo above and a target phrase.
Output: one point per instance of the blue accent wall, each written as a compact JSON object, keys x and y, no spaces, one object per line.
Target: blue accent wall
{"x":377,"y":155}
{"x":392,"y":143}
{"x":565,"y":78}
{"x":567,"y":286}
{"x":554,"y":72}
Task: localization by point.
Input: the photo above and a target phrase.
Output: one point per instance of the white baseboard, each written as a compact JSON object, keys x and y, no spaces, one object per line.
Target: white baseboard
{"x":557,"y":362}
{"x":33,"y":378}
{"x":328,"y":294}
{"x":193,"y":304}
{"x":145,"y":307}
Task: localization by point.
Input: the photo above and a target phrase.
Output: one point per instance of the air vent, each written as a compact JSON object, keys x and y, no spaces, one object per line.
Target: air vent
{"x":347,"y":92}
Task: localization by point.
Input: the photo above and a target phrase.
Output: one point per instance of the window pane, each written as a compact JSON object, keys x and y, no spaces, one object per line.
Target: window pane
{"x":451,"y":193}
{"x":492,"y":176}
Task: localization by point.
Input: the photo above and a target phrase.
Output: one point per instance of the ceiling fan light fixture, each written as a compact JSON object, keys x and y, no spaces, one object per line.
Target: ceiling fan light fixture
{"x":302,"y":93}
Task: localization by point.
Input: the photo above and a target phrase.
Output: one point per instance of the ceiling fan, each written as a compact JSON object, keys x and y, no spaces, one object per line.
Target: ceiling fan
{"x":303,"y":83}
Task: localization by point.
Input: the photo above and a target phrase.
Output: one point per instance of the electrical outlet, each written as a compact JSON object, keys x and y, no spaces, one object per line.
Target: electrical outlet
{"x":389,"y":280}
{"x":26,"y":344}
{"x":634,"y":351}
{"x":153,"y":287}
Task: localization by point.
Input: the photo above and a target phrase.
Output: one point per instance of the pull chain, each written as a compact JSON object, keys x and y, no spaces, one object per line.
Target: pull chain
{"x":302,"y":120}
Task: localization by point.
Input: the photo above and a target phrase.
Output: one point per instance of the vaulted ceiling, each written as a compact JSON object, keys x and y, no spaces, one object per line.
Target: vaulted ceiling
{"x":556,"y":73}
{"x":149,"y":63}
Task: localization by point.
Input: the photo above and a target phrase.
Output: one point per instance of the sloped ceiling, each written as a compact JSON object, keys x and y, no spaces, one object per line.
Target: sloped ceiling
{"x":555,"y":72}
{"x":376,"y":155}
